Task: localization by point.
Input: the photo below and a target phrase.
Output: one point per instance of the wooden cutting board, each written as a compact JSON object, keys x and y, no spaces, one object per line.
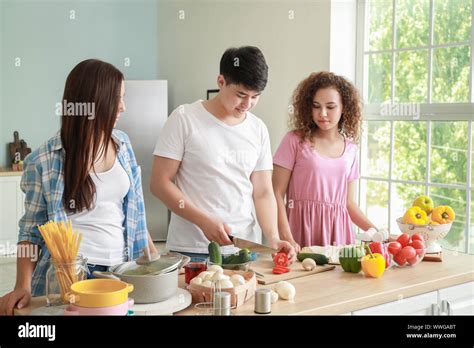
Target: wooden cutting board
{"x":265,"y":267}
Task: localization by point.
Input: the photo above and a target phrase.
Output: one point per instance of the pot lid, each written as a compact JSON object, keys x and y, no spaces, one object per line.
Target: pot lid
{"x":167,"y":262}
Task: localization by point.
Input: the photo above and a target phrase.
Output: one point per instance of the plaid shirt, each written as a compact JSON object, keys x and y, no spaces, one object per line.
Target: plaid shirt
{"x":43,"y":184}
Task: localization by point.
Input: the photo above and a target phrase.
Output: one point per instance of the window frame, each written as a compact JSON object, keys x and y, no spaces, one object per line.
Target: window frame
{"x":429,"y":112}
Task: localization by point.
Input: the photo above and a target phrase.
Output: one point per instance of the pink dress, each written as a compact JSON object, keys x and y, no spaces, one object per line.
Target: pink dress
{"x":317,"y":192}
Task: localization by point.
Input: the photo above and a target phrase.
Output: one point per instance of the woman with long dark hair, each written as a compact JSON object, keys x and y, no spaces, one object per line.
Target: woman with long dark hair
{"x":86,"y":173}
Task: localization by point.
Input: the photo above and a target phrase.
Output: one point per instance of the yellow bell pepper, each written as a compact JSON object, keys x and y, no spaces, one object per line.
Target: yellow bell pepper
{"x":443,"y":214}
{"x":415,"y":216}
{"x":373,"y":265}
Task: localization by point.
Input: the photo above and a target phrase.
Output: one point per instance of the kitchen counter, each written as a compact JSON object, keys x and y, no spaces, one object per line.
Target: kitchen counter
{"x":4,"y":172}
{"x":338,"y":292}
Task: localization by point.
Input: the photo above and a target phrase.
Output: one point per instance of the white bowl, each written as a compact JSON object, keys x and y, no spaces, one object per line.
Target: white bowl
{"x":430,"y":233}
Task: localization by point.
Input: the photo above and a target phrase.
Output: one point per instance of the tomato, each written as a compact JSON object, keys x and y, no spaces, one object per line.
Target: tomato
{"x":399,"y":259}
{"x":417,"y":236}
{"x":376,"y":247}
{"x":408,"y":252}
{"x":281,"y":259}
{"x":417,"y":244}
{"x":413,"y":260}
{"x":394,"y":248}
{"x":280,"y":270}
{"x":404,"y":239}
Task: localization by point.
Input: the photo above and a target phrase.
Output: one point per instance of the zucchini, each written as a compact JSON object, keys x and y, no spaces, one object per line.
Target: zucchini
{"x":215,"y":255}
{"x":319,"y":258}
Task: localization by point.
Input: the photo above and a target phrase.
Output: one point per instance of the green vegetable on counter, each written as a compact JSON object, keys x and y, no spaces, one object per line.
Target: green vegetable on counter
{"x":350,"y":258}
{"x":318,"y":258}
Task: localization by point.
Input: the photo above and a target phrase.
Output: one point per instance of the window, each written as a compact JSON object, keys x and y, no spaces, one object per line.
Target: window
{"x":415,"y":71}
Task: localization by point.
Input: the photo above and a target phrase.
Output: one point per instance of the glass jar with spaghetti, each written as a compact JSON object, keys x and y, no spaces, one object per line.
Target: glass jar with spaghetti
{"x":60,"y":277}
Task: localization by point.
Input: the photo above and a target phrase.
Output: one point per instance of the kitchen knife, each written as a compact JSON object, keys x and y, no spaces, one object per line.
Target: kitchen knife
{"x":252,"y":246}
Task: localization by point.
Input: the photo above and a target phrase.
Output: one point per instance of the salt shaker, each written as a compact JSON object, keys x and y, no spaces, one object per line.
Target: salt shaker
{"x":221,"y":303}
{"x":263,"y":301}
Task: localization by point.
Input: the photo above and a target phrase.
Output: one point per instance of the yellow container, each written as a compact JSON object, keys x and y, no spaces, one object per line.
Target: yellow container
{"x":94,"y":293}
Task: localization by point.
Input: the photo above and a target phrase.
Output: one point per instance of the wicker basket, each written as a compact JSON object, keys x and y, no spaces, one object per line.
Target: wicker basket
{"x":239,"y":294}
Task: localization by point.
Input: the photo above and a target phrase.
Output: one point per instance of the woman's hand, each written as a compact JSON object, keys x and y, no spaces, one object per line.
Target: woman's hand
{"x":216,"y":230}
{"x":18,"y":298}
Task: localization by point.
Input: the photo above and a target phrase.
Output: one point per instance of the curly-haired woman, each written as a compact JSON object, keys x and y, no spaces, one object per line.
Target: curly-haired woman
{"x":317,"y":164}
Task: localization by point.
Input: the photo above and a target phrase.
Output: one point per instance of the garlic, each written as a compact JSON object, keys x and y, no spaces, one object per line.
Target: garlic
{"x":204,"y":274}
{"x":237,"y":279}
{"x":285,"y":290}
{"x":377,"y":237}
{"x":274,"y":296}
{"x":225,"y":284}
{"x":196,"y":280}
{"x":309,"y":264}
{"x":207,"y":284}
{"x":215,"y":268}
{"x":219,"y":276}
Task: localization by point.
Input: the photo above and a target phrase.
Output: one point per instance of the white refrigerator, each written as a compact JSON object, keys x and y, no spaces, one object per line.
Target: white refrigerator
{"x":146,"y":104}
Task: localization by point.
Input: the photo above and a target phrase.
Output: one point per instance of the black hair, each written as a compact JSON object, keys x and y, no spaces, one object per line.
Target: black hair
{"x":245,"y":65}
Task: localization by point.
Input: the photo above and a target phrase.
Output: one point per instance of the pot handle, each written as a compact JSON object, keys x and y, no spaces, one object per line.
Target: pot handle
{"x":129,"y":287}
{"x":105,"y":275}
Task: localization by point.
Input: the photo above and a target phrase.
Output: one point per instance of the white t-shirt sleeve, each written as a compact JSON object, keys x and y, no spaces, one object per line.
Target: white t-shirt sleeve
{"x":265,"y":160}
{"x":172,"y":138}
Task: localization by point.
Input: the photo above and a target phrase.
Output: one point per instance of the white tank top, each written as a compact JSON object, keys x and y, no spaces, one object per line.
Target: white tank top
{"x":103,"y":225}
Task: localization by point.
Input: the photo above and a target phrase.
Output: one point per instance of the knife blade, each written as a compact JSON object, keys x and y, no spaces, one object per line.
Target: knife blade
{"x":252,"y":246}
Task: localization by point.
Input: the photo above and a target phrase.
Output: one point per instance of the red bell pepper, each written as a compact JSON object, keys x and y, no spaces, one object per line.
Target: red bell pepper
{"x":382,"y":249}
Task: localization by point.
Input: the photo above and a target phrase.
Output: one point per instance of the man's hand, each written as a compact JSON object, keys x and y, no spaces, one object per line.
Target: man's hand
{"x":216,"y":230}
{"x":18,"y":298}
{"x":287,"y":248}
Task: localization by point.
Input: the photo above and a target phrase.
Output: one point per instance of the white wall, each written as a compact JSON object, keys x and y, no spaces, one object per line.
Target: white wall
{"x":189,"y":49}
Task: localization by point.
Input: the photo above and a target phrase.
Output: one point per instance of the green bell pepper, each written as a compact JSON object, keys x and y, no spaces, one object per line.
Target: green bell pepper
{"x":350,"y":257}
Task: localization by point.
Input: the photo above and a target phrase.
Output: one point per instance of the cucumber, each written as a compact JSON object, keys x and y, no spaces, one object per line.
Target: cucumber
{"x":319,"y":258}
{"x":230,"y":260}
{"x":215,"y":255}
{"x":242,"y":257}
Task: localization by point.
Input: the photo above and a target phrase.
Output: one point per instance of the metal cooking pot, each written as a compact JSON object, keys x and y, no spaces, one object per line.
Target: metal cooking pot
{"x":153,"y":282}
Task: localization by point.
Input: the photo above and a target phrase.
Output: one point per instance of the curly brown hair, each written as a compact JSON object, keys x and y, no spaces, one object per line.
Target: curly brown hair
{"x":301,"y":120}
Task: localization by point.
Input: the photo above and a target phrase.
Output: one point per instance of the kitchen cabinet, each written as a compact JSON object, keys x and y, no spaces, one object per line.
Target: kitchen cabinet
{"x":416,"y":305}
{"x":11,"y":210}
{"x":455,"y":300}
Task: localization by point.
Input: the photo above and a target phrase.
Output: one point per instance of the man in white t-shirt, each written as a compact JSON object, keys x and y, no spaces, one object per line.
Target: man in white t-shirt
{"x":213,"y":163}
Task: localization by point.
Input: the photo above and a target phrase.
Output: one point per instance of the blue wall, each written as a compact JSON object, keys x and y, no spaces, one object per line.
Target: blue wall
{"x":50,"y":43}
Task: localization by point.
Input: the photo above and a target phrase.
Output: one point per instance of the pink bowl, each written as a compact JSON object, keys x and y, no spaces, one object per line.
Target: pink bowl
{"x":120,"y":309}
